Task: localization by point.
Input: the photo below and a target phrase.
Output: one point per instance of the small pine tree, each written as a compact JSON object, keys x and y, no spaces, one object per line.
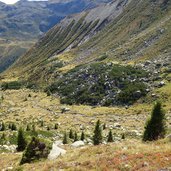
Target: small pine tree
{"x":156,"y":126}
{"x":21,"y":141}
{"x":33,"y":128}
{"x":56,"y":126}
{"x":10,"y":126}
{"x":3,"y":136}
{"x":65,"y":139}
{"x":97,"y":138}
{"x":123,"y":136}
{"x":42,"y":123}
{"x":110,"y":137}
{"x":104,"y":126}
{"x":13,"y":127}
{"x":2,"y":127}
{"x":48,"y":128}
{"x":28,"y":128}
{"x":75,"y":137}
{"x":71,"y":135}
{"x":82,"y":136}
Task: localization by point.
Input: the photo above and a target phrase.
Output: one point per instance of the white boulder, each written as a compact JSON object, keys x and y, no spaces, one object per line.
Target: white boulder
{"x":78,"y":144}
{"x":56,"y":151}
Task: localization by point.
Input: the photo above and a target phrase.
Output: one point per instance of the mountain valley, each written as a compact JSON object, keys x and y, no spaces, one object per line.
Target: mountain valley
{"x":85,"y":95}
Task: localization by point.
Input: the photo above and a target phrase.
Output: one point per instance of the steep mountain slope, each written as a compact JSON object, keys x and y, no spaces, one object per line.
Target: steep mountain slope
{"x":71,"y":32}
{"x":22,"y":23}
{"x":28,"y":19}
{"x":121,"y":30}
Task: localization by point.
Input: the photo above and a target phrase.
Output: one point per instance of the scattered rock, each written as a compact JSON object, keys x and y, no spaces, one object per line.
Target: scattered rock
{"x":56,"y":151}
{"x":78,"y":144}
{"x":63,"y":110}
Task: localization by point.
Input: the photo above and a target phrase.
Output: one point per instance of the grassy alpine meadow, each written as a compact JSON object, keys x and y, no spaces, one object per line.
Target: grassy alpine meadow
{"x":30,"y":107}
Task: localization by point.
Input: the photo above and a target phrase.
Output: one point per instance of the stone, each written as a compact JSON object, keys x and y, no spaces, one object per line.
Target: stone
{"x":162,"y":83}
{"x":145,"y":164}
{"x":169,"y":137}
{"x":56,"y":151}
{"x":78,"y":144}
{"x":9,"y":168}
{"x":65,"y":109}
{"x":147,"y":62}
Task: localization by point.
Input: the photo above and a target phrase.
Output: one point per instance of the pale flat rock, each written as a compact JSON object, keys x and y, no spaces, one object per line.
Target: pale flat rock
{"x":78,"y":144}
{"x":56,"y":151}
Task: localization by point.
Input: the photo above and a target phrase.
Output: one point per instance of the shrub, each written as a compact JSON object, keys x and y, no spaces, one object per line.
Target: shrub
{"x":34,"y":151}
{"x":12,"y":85}
{"x":99,"y":83}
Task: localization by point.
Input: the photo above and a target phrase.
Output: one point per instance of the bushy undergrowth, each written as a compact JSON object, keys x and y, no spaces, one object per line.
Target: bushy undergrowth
{"x":101,"y":84}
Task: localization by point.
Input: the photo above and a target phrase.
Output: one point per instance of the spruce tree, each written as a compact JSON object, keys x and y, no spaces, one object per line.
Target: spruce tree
{"x":3,"y":136}
{"x":42,"y":123}
{"x":123,"y":136}
{"x":13,"y":127}
{"x":65,"y":139}
{"x":71,"y":135}
{"x":33,"y":128}
{"x":21,"y":141}
{"x":3,"y":139}
{"x":2,"y":126}
{"x":10,"y":126}
{"x":48,"y":128}
{"x":104,"y":126}
{"x":110,"y":137}
{"x":28,"y":128}
{"x":82,"y":136}
{"x":56,"y":126}
{"x":75,"y":137}
{"x":97,"y":138}
{"x":156,"y":126}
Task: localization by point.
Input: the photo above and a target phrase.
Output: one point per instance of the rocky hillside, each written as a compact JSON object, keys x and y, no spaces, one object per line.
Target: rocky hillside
{"x":124,"y":32}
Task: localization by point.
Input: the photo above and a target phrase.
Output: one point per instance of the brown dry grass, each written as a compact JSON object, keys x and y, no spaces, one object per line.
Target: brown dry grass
{"x":129,"y":155}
